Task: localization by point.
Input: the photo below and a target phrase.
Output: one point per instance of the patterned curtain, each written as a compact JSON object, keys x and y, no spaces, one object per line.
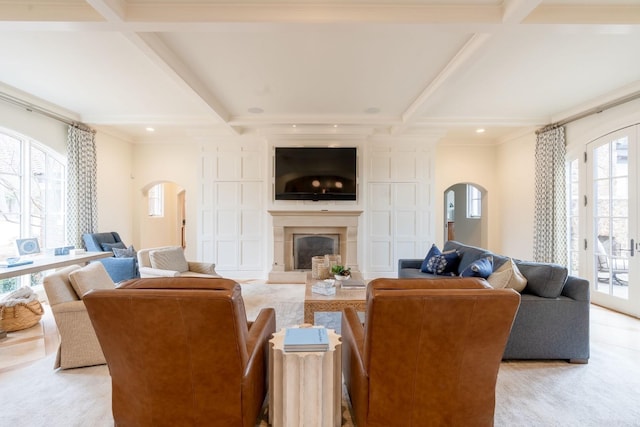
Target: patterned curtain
{"x":550,"y":223}
{"x":82,"y":206}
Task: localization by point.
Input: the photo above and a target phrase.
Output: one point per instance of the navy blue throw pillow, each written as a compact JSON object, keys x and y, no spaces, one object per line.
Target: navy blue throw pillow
{"x":482,"y":267}
{"x":444,"y":264}
{"x":434,"y":251}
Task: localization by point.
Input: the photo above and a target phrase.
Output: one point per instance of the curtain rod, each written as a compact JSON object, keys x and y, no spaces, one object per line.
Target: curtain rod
{"x":591,"y":111}
{"x":47,"y":113}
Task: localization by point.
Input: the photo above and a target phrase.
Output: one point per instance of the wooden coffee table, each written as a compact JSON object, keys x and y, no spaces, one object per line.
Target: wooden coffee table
{"x":355,"y":298}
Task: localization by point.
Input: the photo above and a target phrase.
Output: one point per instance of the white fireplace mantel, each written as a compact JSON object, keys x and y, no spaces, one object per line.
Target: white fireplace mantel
{"x":286,"y":223}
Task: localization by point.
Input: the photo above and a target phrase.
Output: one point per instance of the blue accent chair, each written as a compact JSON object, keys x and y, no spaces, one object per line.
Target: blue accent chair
{"x":118,"y":268}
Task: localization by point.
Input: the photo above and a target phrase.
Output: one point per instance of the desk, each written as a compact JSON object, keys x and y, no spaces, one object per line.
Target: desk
{"x":305,"y":388}
{"x":48,"y":262}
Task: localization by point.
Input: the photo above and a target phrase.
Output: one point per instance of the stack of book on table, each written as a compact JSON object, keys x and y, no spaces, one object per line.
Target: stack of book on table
{"x":306,"y":339}
{"x":326,"y":287}
{"x":353,"y":284}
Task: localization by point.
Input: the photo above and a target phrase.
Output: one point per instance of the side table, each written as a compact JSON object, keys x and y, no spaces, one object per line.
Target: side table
{"x":305,"y":388}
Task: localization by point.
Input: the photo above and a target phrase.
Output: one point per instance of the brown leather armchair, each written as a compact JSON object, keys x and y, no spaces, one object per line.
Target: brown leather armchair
{"x":181,"y":352}
{"x":428,"y":352}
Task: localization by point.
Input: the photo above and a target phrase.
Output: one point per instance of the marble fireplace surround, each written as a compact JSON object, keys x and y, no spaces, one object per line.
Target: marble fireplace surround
{"x":288,"y":223}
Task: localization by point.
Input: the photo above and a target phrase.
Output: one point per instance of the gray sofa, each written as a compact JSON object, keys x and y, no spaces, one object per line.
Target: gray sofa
{"x":553,"y":318}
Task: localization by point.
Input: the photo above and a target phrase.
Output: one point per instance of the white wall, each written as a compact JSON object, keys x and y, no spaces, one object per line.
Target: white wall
{"x":114,"y":174}
{"x":113,"y":171}
{"x":178,"y":163}
{"x":515,"y":182}
{"x":471,"y":164}
{"x":42,"y":129}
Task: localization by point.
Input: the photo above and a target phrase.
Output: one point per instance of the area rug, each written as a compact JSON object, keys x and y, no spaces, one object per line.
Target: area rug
{"x":528,"y":393}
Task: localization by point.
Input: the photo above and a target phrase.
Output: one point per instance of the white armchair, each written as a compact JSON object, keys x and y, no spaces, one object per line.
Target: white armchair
{"x":169,"y":261}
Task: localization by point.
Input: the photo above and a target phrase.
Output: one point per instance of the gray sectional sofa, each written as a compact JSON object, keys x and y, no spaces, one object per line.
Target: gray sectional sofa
{"x":553,"y":318}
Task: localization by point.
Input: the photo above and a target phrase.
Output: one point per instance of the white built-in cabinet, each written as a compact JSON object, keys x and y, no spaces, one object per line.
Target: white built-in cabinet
{"x":232,"y":207}
{"x":395,"y":185}
{"x":399,"y":207}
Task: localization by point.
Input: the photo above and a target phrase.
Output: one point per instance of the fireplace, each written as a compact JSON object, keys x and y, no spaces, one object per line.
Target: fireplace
{"x":306,"y":246}
{"x":342,"y":226}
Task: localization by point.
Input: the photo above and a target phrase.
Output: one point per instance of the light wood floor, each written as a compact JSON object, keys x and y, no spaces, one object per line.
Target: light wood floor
{"x":21,"y":348}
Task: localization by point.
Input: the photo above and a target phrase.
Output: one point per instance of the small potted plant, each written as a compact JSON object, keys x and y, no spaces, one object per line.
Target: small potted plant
{"x":340,"y":272}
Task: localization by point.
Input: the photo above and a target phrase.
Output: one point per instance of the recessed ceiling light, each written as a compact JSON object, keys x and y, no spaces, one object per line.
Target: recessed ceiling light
{"x":480,"y":130}
{"x":335,"y":126}
{"x":255,"y":110}
{"x":150,"y":129}
{"x":293,"y":126}
{"x":372,"y":110}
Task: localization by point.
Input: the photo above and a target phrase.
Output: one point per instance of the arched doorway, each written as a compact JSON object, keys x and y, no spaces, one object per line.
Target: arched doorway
{"x":465,"y":214}
{"x":163,"y":215}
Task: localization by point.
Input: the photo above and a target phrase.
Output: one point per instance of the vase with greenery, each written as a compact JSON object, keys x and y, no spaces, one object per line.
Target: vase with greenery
{"x":340,"y":272}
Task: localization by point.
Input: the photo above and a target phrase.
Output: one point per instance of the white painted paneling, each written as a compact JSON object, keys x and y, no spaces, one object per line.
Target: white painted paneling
{"x":229,"y":166}
{"x":251,"y":222}
{"x":233,"y":216}
{"x":399,"y":205}
{"x":380,"y":255}
{"x":380,"y":224}
{"x":404,"y":167}
{"x":227,"y":223}
{"x":251,"y":166}
{"x":227,"y":254}
{"x":227,"y":195}
{"x":406,"y":225}
{"x":251,"y":255}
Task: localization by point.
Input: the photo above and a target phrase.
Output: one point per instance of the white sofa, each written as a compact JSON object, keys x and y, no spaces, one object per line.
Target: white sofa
{"x":169,"y":261}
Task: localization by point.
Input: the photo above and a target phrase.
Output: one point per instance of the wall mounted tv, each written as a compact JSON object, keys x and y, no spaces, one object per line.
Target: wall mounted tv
{"x":315,"y":173}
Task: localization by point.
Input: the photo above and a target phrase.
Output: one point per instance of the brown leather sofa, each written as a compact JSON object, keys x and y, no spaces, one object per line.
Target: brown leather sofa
{"x":428,"y":352}
{"x":181,"y":352}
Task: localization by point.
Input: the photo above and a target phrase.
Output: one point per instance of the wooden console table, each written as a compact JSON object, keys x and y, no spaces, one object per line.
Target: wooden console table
{"x":46,"y":262}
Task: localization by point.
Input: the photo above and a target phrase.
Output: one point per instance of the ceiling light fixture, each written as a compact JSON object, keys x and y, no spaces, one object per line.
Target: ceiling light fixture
{"x":480,"y":130}
{"x":293,"y":126}
{"x":335,"y":126}
{"x":150,"y":129}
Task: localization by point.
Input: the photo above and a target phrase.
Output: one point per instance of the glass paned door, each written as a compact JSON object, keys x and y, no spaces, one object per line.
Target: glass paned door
{"x":613,"y":218}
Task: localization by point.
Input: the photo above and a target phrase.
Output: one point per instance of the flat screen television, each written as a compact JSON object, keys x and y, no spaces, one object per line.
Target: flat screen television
{"x":315,"y":173}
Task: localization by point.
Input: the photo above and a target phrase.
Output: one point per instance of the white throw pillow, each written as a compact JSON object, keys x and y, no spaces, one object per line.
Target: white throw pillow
{"x":508,"y":276}
{"x":169,"y":259}
{"x":91,"y":276}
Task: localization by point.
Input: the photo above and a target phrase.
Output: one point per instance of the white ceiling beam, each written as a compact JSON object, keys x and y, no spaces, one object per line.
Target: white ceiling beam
{"x":459,"y":60}
{"x":111,"y":10}
{"x":163,"y":57}
{"x":156,"y":50}
{"x":313,"y":12}
{"x":515,"y":11}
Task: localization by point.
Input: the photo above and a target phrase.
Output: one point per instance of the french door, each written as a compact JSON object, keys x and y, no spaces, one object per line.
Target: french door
{"x":612,"y":218}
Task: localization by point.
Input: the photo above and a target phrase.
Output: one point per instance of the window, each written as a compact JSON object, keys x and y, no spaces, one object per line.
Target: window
{"x":474,"y":202}
{"x":156,"y":200}
{"x":573,"y":216}
{"x":32,"y":199}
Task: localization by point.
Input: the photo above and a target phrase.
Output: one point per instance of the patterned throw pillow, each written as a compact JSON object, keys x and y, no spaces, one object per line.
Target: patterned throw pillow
{"x":130,"y":252}
{"x":444,"y":264}
{"x":482,"y":267}
{"x":108,"y":247}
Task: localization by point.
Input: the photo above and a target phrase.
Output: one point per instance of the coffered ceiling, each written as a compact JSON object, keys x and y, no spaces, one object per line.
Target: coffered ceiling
{"x":347,"y":67}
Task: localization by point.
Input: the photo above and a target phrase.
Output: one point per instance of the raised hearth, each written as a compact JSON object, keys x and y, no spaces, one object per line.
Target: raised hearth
{"x":286,"y":224}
